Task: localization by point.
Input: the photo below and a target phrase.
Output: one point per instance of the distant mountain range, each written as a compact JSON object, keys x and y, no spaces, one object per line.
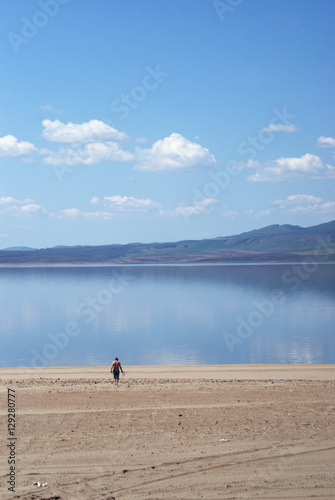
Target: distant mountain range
{"x":276,"y":243}
{"x":19,"y":249}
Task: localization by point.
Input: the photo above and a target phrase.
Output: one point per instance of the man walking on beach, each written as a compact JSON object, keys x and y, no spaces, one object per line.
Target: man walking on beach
{"x":115,"y":369}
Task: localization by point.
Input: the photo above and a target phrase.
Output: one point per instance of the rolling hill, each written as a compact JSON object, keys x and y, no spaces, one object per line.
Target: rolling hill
{"x":275,"y":243}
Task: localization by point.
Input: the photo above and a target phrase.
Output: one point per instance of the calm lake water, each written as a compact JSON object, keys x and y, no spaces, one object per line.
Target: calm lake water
{"x":209,"y":314}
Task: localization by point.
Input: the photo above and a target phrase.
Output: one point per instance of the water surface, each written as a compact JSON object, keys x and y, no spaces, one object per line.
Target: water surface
{"x":208,"y":314}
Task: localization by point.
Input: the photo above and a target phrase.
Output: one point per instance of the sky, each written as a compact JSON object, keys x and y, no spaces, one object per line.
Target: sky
{"x":145,"y":121}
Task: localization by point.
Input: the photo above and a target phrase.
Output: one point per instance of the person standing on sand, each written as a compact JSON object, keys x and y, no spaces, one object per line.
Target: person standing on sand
{"x":115,"y":369}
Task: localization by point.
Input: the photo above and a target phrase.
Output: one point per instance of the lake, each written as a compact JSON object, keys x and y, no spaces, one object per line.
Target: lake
{"x":167,"y":314}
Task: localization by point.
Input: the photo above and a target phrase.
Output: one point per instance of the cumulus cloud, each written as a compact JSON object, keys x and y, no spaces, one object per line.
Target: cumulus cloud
{"x":201,"y":207}
{"x":124,"y":205}
{"x":11,"y":146}
{"x":300,"y":204}
{"x":12,"y":207}
{"x":326,"y":142}
{"x":89,"y":154}
{"x":130,"y":204}
{"x":74,"y":213}
{"x":174,"y":153}
{"x":279,"y":127}
{"x":92,"y":131}
{"x":112,"y":206}
{"x":307,"y":166}
{"x":299,"y":198}
{"x":9,"y":200}
{"x":32,"y":209}
{"x":106,"y":208}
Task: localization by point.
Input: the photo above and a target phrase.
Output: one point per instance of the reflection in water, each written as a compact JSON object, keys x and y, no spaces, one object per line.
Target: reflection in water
{"x":167,"y":314}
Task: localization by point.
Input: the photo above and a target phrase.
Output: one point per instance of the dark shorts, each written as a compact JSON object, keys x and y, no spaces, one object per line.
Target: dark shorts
{"x":116,"y":374}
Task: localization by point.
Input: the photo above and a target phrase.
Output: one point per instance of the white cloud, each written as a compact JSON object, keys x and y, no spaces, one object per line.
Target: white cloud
{"x":112,"y":206}
{"x":74,"y":213}
{"x":307,"y":166}
{"x":279,"y":127}
{"x":89,"y":154}
{"x":32,"y":209}
{"x":130,"y":204}
{"x":9,"y":200}
{"x":299,"y":198}
{"x":92,"y":131}
{"x":201,"y":207}
{"x":12,"y":207}
{"x":326,"y":142}
{"x":11,"y":146}
{"x":127,"y":205}
{"x":206,"y":202}
{"x":69,"y":212}
{"x":300,"y":204}
{"x":174,"y":153}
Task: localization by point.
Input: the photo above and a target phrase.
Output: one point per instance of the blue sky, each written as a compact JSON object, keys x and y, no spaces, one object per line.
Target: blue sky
{"x":160,"y":121}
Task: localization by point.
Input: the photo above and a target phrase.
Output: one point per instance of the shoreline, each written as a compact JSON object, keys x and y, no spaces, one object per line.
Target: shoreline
{"x":171,"y":264}
{"x":182,"y":372}
{"x":169,"y":432}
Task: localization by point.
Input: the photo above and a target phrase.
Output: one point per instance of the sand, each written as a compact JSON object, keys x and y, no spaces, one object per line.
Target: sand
{"x":183,"y":432}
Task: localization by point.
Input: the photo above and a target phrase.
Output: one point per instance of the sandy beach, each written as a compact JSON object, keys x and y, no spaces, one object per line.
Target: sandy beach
{"x":170,"y":432}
